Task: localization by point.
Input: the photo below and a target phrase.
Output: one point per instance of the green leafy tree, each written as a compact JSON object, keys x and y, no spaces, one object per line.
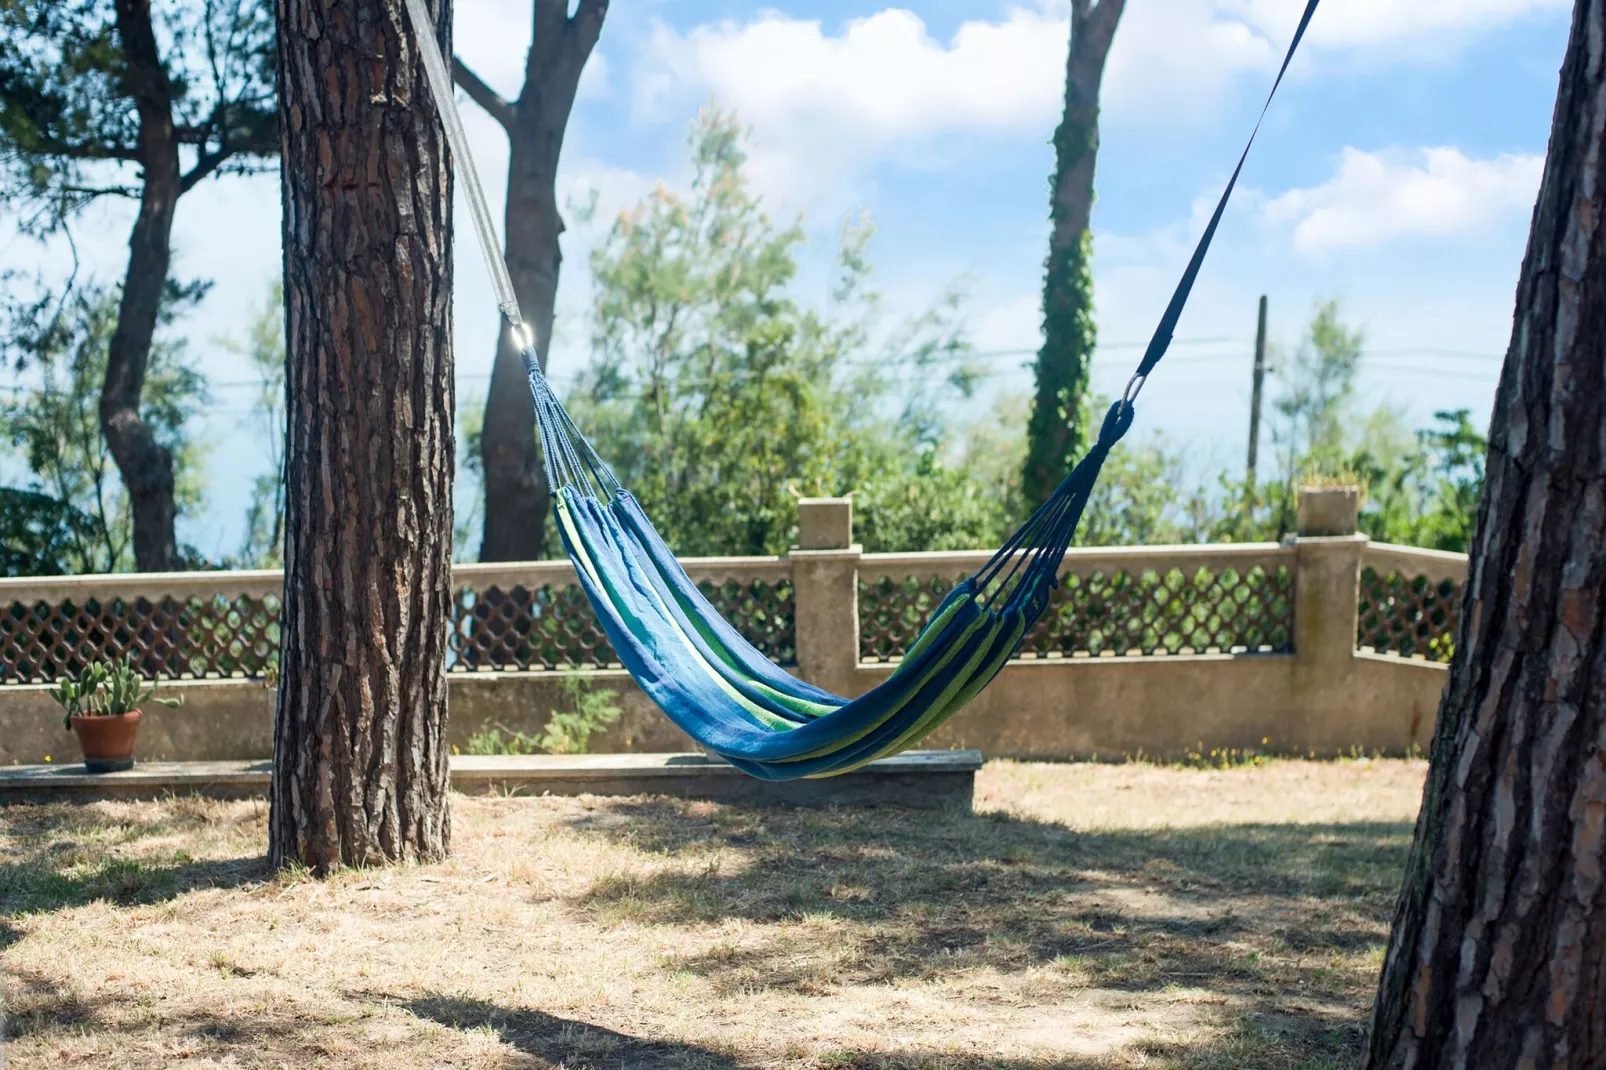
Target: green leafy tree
{"x":719,"y":398}
{"x":127,"y":99}
{"x":1430,"y":496}
{"x":1318,"y":388}
{"x":470,"y":485}
{"x":931,"y":506}
{"x":1137,"y":499}
{"x":53,"y":427}
{"x":39,"y":536}
{"x":263,"y":349}
{"x":1421,"y":487}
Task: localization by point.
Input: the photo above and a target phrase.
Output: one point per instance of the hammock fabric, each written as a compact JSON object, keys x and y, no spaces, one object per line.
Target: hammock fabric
{"x":709,"y":680}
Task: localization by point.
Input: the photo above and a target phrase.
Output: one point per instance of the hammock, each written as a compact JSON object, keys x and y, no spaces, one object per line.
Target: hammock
{"x":705,"y":676}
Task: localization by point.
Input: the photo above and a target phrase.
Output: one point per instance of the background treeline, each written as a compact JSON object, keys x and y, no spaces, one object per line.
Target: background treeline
{"x":720,"y":397}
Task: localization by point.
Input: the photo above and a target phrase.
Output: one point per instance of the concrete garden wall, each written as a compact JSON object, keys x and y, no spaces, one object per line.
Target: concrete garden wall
{"x":1155,"y":650}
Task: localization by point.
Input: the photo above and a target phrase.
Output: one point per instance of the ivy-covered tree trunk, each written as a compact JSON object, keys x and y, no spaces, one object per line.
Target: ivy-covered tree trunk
{"x":360,"y":766}
{"x":516,"y":493}
{"x":1498,"y":954}
{"x":1055,"y":434}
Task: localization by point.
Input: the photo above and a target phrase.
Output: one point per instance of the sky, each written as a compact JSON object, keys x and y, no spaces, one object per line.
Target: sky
{"x":1396,"y":173}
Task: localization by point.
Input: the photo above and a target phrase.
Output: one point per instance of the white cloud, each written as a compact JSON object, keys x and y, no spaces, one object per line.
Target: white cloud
{"x":1375,"y":197}
{"x":1177,"y":58}
{"x":493,"y":38}
{"x":824,"y":102}
{"x":885,"y":75}
{"x":1366,"y":23}
{"x":821,"y":104}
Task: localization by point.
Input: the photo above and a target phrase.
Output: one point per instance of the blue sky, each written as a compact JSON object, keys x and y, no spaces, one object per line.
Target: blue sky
{"x":1396,"y":172}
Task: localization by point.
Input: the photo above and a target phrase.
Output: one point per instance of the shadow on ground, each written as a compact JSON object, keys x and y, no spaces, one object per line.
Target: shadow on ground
{"x":1286,"y":920}
{"x":1279,"y":925}
{"x":555,"y":1043}
{"x":561,"y":1041}
{"x":66,"y":855}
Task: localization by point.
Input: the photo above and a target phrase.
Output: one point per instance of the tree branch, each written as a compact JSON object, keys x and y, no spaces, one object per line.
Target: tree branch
{"x":48,"y":145}
{"x":498,"y":108}
{"x":1102,"y":22}
{"x":92,"y":192}
{"x":205,"y":164}
{"x":587,"y":19}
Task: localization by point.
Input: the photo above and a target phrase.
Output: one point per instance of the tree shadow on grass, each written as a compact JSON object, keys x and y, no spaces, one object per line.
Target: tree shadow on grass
{"x":559,"y":1043}
{"x":42,"y":1011}
{"x":569,"y":1044}
{"x":562,"y":1041}
{"x":36,"y":1005}
{"x":31,"y":888}
{"x":1283,"y":918}
{"x":67,"y":855}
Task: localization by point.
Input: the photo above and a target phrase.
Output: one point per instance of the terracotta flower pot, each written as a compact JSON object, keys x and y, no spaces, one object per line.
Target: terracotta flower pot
{"x":108,"y":742}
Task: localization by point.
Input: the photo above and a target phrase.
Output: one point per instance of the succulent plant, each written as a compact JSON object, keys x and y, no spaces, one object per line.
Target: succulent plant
{"x":105,"y":689}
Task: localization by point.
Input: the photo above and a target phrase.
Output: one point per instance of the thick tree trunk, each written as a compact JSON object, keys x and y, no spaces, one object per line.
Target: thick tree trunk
{"x":1498,"y":954}
{"x":360,"y":769}
{"x":145,"y":464}
{"x":516,"y":492}
{"x":1054,"y":432}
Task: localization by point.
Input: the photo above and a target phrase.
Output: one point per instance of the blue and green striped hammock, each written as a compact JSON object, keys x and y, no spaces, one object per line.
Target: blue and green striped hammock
{"x":700,"y":671}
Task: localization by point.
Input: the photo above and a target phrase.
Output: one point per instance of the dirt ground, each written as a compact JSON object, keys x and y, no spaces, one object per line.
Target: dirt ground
{"x":1087,"y":916}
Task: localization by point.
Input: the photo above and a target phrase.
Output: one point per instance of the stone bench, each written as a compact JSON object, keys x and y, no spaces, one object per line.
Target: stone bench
{"x":926,"y":780}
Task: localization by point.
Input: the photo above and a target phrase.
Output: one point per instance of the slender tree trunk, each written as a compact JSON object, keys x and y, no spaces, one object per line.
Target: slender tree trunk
{"x":1054,"y":432}
{"x":360,"y":769}
{"x":145,"y":464}
{"x":1498,"y":954}
{"x":516,"y":492}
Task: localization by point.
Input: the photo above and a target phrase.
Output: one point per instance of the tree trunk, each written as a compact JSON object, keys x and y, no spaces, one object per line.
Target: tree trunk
{"x":1498,"y":954}
{"x":360,"y":769}
{"x":145,"y":464}
{"x":1054,"y":432}
{"x":516,"y":492}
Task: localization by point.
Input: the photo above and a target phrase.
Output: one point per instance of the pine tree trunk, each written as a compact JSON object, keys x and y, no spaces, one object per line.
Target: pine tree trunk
{"x":516,"y":492}
{"x":1498,"y":954}
{"x":360,"y":769}
{"x":145,"y":465}
{"x":1054,"y":433}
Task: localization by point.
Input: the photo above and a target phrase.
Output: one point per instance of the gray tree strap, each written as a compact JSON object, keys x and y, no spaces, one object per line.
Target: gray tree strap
{"x":440,"y":87}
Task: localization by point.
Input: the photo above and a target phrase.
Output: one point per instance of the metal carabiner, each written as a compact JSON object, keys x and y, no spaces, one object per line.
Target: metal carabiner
{"x":1134,"y":387}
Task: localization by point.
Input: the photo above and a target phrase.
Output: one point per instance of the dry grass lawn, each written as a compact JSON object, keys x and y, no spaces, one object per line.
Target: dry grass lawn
{"x":1088,"y":916}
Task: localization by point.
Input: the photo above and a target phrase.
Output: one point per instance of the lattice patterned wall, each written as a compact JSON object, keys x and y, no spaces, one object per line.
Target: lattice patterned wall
{"x":1412,"y":616}
{"x":1122,"y":612}
{"x":553,"y":627}
{"x":545,"y":627}
{"x":1146,"y":612}
{"x":169,"y":638}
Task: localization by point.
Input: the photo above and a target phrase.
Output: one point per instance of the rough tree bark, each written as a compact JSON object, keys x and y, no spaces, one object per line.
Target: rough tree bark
{"x":1054,"y":432}
{"x":516,"y":493}
{"x":145,"y":464}
{"x":1498,"y":954}
{"x":360,"y":770}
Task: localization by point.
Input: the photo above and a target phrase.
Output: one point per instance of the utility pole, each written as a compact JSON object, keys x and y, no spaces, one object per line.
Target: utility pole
{"x":1254,"y":397}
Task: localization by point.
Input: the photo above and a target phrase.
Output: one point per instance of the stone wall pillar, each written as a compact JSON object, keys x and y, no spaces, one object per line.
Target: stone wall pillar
{"x":825,"y":582}
{"x":1327,"y":576}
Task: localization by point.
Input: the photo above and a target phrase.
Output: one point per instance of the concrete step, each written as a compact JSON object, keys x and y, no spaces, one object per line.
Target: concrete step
{"x":935,"y":779}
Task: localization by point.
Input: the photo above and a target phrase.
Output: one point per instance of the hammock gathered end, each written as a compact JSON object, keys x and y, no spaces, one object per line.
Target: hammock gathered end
{"x":714,"y":684}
